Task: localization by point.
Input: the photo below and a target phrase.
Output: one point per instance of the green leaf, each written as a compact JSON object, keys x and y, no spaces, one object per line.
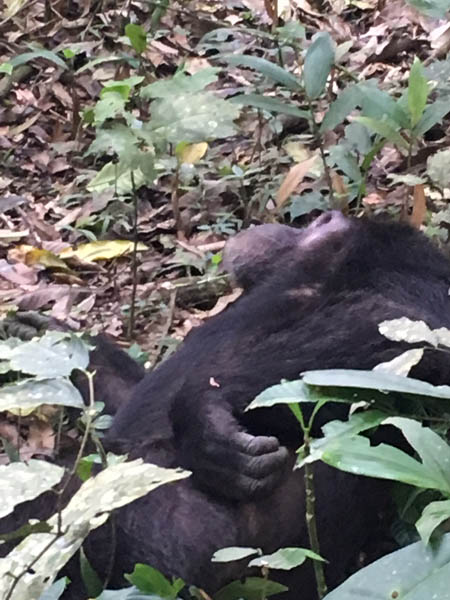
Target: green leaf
{"x":432,"y":516}
{"x":55,"y":354}
{"x":356,"y":423}
{"x":270,"y":105}
{"x":339,"y":110}
{"x":88,"y":508}
{"x":434,"y":113}
{"x":24,"y":481}
{"x":151,"y":581}
{"x":319,"y":60}
{"x":356,"y":455}
{"x":345,"y":160}
{"x":385,"y":129}
{"x":91,"y":580}
{"x":28,"y":394}
{"x":266,"y":68}
{"x":287,"y":392}
{"x":377,"y":104}
{"x":417,"y":572}
{"x":192,"y":118}
{"x":7,"y":68}
{"x":374,"y":380}
{"x":432,"y":449}
{"x":117,"y":176}
{"x":253,"y":588}
{"x":285,"y":559}
{"x":180,"y":83}
{"x":233,"y":553}
{"x":21,"y":59}
{"x":417,"y":92}
{"x":137,"y":36}
{"x":110,"y":106}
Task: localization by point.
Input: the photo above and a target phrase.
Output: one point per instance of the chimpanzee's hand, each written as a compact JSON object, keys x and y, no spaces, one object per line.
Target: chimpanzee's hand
{"x":230,"y":462}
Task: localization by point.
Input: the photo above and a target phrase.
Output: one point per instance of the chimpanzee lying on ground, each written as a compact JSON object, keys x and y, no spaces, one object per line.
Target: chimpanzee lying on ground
{"x":313,"y":299}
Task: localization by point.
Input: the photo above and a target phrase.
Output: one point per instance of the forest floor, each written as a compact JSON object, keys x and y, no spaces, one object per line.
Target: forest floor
{"x":65,"y":54}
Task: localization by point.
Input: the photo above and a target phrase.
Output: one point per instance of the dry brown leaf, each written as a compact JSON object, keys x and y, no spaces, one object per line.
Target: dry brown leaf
{"x":292,"y":180}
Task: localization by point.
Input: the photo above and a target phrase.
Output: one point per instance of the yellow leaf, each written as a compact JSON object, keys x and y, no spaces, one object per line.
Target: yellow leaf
{"x":192,"y":153}
{"x":102,"y":250}
{"x":36,"y":256}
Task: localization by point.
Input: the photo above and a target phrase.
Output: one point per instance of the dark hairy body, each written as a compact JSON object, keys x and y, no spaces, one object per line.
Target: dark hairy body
{"x":312,"y":299}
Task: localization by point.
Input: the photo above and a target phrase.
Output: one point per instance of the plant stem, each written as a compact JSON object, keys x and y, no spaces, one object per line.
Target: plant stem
{"x":311,"y":524}
{"x":133,"y":260}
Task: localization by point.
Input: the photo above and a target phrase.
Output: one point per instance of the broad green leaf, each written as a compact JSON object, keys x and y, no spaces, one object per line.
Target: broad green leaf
{"x":180,"y":83}
{"x":345,"y":160}
{"x":89,"y":507}
{"x":233,"y":553}
{"x":29,"y":394}
{"x":434,"y":113}
{"x":417,"y":572}
{"x":192,"y":118}
{"x":285,"y":559}
{"x":438,"y":168}
{"x":137,"y":36}
{"x":340,"y":108}
{"x":385,"y":382}
{"x":319,"y":60}
{"x":356,"y":455}
{"x":266,"y":68}
{"x":432,"y":516}
{"x":116,"y":176}
{"x":151,"y":581}
{"x":111,"y":105}
{"x":253,"y":588}
{"x":432,"y":449}
{"x":270,"y":105}
{"x":378,"y":105}
{"x":304,"y":204}
{"x":356,"y":423}
{"x":384,"y":129}
{"x":417,"y":92}
{"x":24,"y":481}
{"x":55,"y":354}
{"x":117,"y":139}
{"x":21,"y":59}
{"x":287,"y":392}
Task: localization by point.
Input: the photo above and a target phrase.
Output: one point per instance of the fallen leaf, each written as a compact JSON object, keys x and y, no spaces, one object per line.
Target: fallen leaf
{"x":102,"y":250}
{"x":292,"y":180}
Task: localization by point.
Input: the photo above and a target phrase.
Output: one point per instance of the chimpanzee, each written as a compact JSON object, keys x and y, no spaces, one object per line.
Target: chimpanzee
{"x":312,"y":298}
